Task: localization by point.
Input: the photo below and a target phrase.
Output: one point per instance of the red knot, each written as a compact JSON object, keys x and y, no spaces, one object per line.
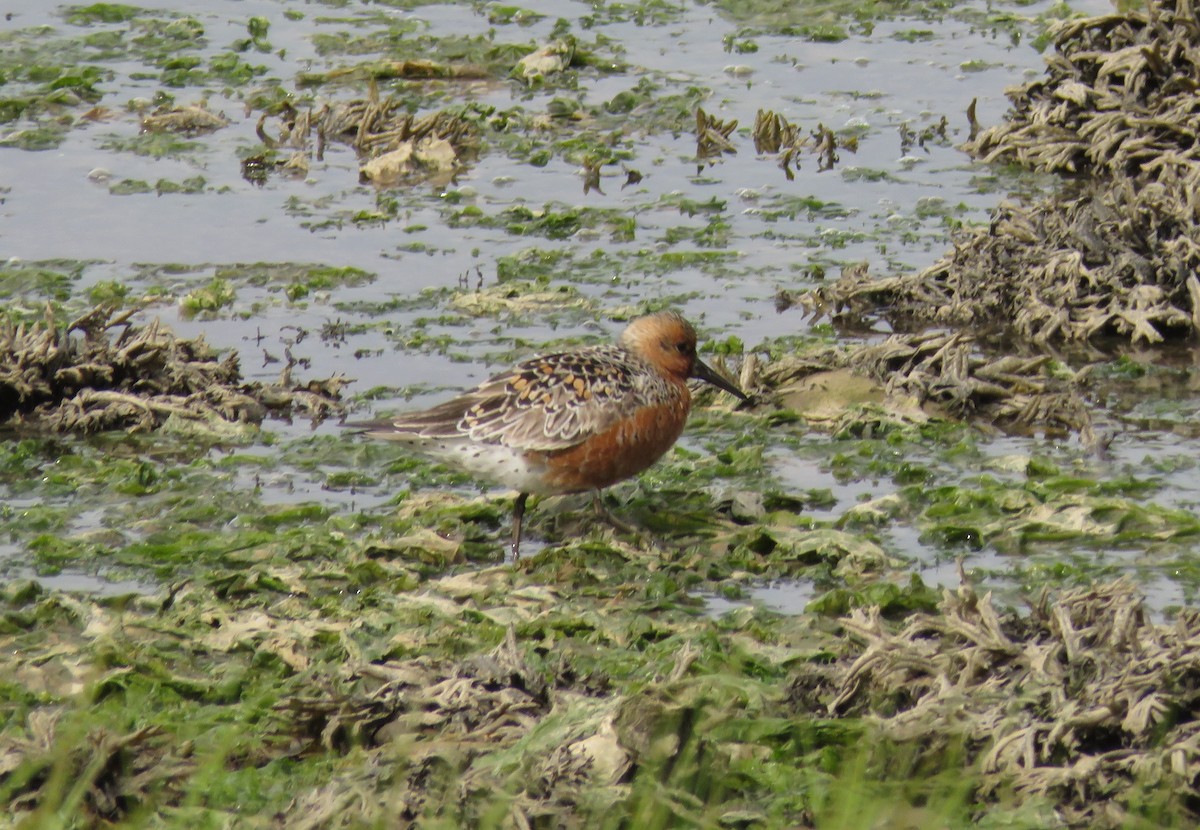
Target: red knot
{"x":571,"y":422}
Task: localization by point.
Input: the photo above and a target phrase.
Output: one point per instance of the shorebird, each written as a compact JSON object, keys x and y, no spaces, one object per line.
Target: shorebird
{"x":570,"y":422}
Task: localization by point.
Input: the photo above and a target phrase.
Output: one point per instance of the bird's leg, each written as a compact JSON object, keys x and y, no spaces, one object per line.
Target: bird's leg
{"x":518,"y":514}
{"x":603,"y":514}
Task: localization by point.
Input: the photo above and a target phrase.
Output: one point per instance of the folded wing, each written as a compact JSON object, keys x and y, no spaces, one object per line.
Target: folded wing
{"x":547,"y":403}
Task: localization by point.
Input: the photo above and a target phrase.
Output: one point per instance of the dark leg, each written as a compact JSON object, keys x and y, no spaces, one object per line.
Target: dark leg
{"x":518,"y":514}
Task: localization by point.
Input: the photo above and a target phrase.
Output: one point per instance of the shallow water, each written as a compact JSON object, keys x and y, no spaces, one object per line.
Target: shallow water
{"x":882,"y":203}
{"x":871,"y":84}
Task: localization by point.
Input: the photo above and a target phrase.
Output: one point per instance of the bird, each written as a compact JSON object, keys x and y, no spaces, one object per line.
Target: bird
{"x":570,"y":422}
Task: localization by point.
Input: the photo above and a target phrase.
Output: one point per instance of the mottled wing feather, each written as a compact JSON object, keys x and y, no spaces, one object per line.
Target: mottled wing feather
{"x":556,"y":401}
{"x":546,"y":403}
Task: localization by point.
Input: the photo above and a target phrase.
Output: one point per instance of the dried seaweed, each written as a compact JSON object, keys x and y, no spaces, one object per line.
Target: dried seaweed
{"x":1114,"y":255}
{"x":449,"y":713}
{"x":1083,"y":700}
{"x":493,"y":698}
{"x":190,"y":120}
{"x":113,"y":772}
{"x":712,"y":136}
{"x":376,"y":128}
{"x":944,"y":373}
{"x":1119,"y":99}
{"x":775,"y":135}
{"x":1114,"y":260}
{"x":100,"y":371}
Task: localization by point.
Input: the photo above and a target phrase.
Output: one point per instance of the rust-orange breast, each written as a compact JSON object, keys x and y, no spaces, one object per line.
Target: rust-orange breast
{"x":623,"y":450}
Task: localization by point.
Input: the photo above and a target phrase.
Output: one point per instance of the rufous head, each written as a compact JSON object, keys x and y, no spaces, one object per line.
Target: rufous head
{"x":668,"y":343}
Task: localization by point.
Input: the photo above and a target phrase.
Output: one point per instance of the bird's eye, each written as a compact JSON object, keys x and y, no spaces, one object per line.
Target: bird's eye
{"x":681,"y":346}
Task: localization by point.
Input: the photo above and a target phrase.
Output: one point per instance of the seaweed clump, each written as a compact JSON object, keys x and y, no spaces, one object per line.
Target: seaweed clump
{"x":100,"y":371}
{"x":914,"y":376}
{"x":1085,"y":701}
{"x":394,"y":145}
{"x":1113,"y":255}
{"x":484,"y":698}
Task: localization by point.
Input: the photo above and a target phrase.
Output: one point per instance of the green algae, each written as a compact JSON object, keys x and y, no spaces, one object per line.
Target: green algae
{"x":264,"y":658}
{"x":209,"y":290}
{"x":655,"y":110}
{"x":1018,"y":519}
{"x":671,"y":718}
{"x":837,"y":20}
{"x":153,"y":145}
{"x":551,"y":221}
{"x":101,"y":13}
{"x":43,"y":280}
{"x":209,"y":298}
{"x":57,"y":77}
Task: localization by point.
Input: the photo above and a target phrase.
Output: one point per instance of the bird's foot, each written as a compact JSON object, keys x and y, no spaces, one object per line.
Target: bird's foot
{"x":604,"y":514}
